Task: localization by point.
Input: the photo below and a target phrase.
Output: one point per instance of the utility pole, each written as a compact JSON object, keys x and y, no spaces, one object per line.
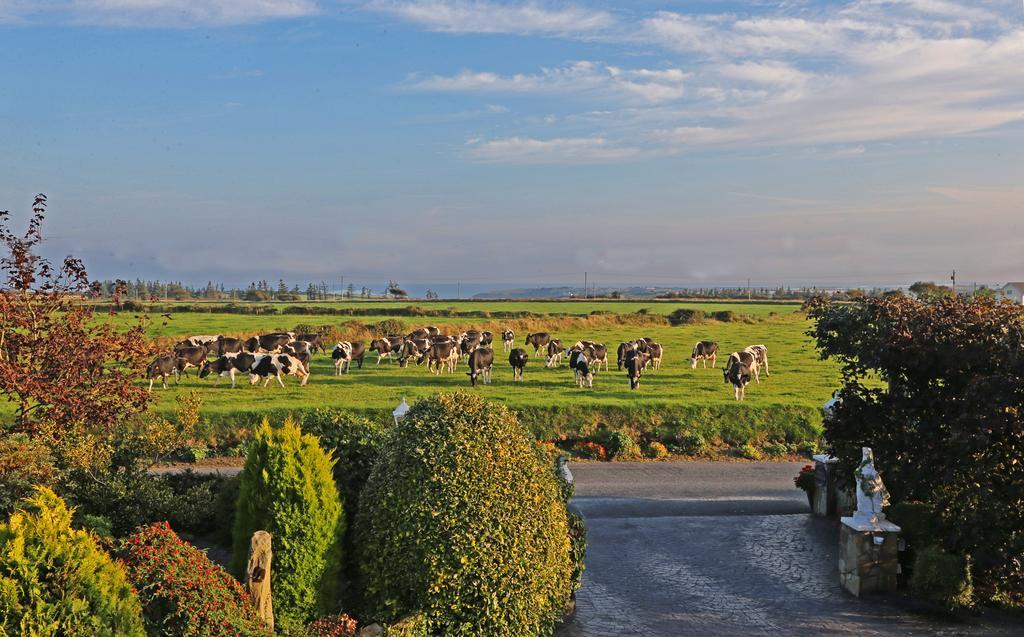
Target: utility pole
{"x":458,"y":294}
{"x":749,"y":296}
{"x":953,"y":279}
{"x":584,"y":284}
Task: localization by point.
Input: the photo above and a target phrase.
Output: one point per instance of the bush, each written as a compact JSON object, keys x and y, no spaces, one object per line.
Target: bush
{"x":590,"y":450}
{"x":389,"y":327}
{"x":355,"y":442}
{"x":808,"y":448}
{"x":415,"y":626}
{"x":684,"y":316}
{"x":919,"y":525}
{"x":332,"y":626}
{"x":24,"y":463}
{"x":657,"y":451}
{"x":776,"y":449}
{"x":55,"y":580}
{"x":943,"y":578}
{"x":287,"y":489}
{"x":621,"y":446}
{"x":750,"y":452}
{"x":725,"y":316}
{"x":182,"y":591}
{"x":577,"y":547}
{"x":224,"y":510}
{"x":691,"y":443}
{"x":462,"y":521}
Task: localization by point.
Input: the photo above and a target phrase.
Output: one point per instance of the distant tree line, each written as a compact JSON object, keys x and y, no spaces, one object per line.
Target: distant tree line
{"x":262,"y":290}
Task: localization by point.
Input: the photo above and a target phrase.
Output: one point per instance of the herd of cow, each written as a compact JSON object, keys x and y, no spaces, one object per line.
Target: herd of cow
{"x":279,"y":354}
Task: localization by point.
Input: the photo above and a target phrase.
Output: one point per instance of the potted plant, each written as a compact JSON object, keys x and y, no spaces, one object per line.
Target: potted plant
{"x":805,"y":480}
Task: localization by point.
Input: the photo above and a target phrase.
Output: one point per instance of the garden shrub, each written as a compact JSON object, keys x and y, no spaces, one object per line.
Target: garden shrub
{"x":945,"y":421}
{"x":183,"y":593}
{"x":340,"y":625}
{"x":750,"y":452}
{"x":24,"y":463}
{"x":577,"y":547}
{"x":808,"y":448}
{"x":621,"y":446}
{"x":776,"y":449}
{"x":691,"y":443}
{"x":919,"y":525}
{"x":55,"y":580}
{"x":656,"y":450}
{"x":355,"y":443}
{"x":943,"y":578}
{"x":224,"y":506}
{"x":590,"y":450}
{"x":287,"y":489}
{"x":414,"y":626}
{"x":462,"y":521}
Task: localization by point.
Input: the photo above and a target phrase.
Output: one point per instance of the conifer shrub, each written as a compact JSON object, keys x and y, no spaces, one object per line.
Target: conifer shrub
{"x":462,"y":522}
{"x":55,"y":580}
{"x":183,"y":593}
{"x":943,"y":578}
{"x":287,"y":489}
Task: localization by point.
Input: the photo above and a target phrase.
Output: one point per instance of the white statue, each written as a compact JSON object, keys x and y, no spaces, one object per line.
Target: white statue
{"x":871,"y":493}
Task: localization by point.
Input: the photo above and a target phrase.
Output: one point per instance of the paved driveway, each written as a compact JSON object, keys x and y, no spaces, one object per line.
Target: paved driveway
{"x":694,"y":548}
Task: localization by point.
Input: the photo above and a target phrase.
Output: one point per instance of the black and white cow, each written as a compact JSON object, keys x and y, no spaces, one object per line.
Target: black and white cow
{"x":620,"y":353}
{"x":635,"y":362}
{"x":191,"y":357}
{"x":342,"y":357}
{"x":555,"y":353}
{"x":162,"y":367}
{"x":486,"y":338}
{"x":226,"y":345}
{"x":443,"y":355}
{"x":268,"y":342}
{"x":414,"y":348}
{"x":387,"y":347}
{"x":481,"y":360}
{"x":419,"y":332}
{"x":738,"y":374}
{"x":600,"y":356}
{"x":704,"y":351}
{"x":269,"y":366}
{"x":580,"y":365}
{"x":760,"y":353}
{"x":508,"y":339}
{"x":517,"y":359}
{"x":205,"y":339}
{"x":539,"y":340}
{"x":316,"y":342}
{"x":297,"y":347}
{"x":655,"y":351}
{"x":744,"y":358}
{"x":469,"y":342}
{"x":228,"y":365}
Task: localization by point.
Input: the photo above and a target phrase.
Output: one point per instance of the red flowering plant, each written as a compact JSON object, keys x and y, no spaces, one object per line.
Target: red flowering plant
{"x":340,"y":625}
{"x":182,"y":592}
{"x":805,"y":479}
{"x":591,"y":450}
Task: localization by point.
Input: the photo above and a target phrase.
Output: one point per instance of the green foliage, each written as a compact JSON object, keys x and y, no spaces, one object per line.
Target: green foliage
{"x":808,"y":448}
{"x":462,"y":521}
{"x":340,"y":625}
{"x":929,"y":292}
{"x":389,"y":327}
{"x":943,"y":578}
{"x":919,"y":525}
{"x":685,"y":316}
{"x":750,"y":452}
{"x":621,"y":446}
{"x":656,"y":451}
{"x":183,"y":593}
{"x":24,"y":463}
{"x":224,"y":510}
{"x":946,"y":424}
{"x":414,"y":626}
{"x":288,"y":490}
{"x":577,"y":547}
{"x":355,"y":442}
{"x":56,"y":582}
{"x":689,"y":442}
{"x":776,"y":449}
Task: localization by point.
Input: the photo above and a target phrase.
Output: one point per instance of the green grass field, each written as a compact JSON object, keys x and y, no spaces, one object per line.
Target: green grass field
{"x":548,"y":400}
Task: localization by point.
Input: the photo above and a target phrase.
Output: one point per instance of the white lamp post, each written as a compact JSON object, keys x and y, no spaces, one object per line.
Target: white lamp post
{"x":400,"y":411}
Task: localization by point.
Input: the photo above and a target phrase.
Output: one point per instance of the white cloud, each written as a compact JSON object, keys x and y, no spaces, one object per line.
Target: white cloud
{"x":160,"y":13}
{"x":481,"y":16}
{"x":525,"y":150}
{"x":645,"y":85}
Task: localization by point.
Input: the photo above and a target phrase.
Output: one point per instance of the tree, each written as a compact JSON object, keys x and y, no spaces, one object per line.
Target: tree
{"x":350,"y":291}
{"x":65,"y":395}
{"x":928,"y":291}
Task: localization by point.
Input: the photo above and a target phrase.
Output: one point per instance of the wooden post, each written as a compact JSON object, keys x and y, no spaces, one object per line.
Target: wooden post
{"x":257,"y":576}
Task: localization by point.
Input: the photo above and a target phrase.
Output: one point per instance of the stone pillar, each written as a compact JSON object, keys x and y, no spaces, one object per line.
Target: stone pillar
{"x":868,"y":559}
{"x":824,"y":501}
{"x":257,"y":576}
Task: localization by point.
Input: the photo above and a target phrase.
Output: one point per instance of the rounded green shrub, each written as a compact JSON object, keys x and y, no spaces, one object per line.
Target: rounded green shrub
{"x":621,"y":446}
{"x":750,"y":452}
{"x":287,"y":489}
{"x":183,"y":593}
{"x":656,"y":450}
{"x":55,"y":580}
{"x":577,"y":547}
{"x":943,"y":578}
{"x":691,"y":443}
{"x":462,"y":522}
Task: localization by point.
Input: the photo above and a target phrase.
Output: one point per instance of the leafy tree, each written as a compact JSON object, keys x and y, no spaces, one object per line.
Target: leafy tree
{"x":928,"y":291}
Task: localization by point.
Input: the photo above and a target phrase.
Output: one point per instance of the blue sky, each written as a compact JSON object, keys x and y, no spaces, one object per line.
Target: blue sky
{"x":831,"y":142}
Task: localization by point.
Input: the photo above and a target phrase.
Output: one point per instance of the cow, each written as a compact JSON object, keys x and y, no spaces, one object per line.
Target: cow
{"x":539,"y":340}
{"x":191,"y":357}
{"x":419,"y":332}
{"x":297,"y":347}
{"x":600,"y":356}
{"x":226,"y":345}
{"x":635,"y":362}
{"x":517,"y":359}
{"x":739,"y":374}
{"x":228,"y":365}
{"x":580,"y":364}
{"x":163,"y":366}
{"x":268,"y":342}
{"x":643,"y":344}
{"x":267,"y":366}
{"x":342,"y":357}
{"x":388,"y":347}
{"x":508,"y":339}
{"x":746,"y":358}
{"x":470,"y":341}
{"x":442,"y":355}
{"x":655,"y":351}
{"x":480,"y":362}
{"x":760,"y":353}
{"x":316,"y":342}
{"x":205,"y":339}
{"x":623,"y":350}
{"x":555,"y":352}
{"x":486,"y":338}
{"x":704,"y":351}
{"x":413,"y":348}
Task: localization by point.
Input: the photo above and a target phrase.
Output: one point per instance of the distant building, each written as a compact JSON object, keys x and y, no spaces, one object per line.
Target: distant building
{"x":1014,"y":291}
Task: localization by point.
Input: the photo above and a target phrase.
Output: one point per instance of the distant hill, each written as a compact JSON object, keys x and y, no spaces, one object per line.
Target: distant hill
{"x":571,"y":292}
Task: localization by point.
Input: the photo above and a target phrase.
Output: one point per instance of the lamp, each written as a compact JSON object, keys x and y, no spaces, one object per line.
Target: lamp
{"x":399,"y":413}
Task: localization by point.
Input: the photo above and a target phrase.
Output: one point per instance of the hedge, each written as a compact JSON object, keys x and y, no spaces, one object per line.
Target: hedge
{"x":462,"y":522}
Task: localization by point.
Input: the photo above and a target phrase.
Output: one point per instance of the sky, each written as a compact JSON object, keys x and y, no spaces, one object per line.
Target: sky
{"x":790,"y":142}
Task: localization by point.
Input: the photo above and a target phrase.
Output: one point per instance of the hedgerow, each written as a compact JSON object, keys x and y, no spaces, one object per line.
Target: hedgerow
{"x":183,"y":593}
{"x":462,"y":522}
{"x":287,"y":489}
{"x":55,"y":580}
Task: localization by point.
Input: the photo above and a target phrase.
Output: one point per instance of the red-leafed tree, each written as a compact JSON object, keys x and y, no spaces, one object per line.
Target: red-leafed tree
{"x":69,"y":372}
